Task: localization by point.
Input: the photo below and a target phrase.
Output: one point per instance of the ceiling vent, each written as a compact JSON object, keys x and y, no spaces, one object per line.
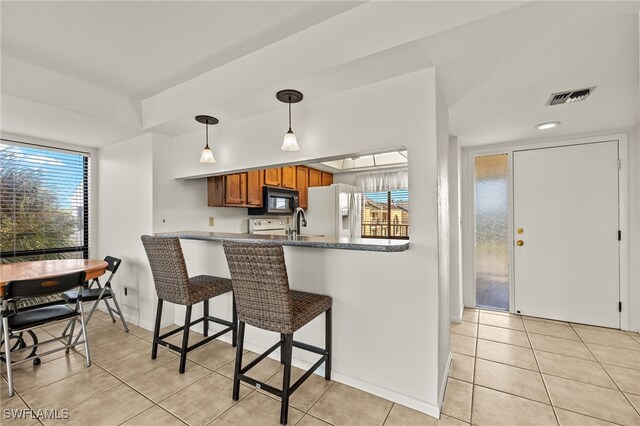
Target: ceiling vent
{"x":570,"y":96}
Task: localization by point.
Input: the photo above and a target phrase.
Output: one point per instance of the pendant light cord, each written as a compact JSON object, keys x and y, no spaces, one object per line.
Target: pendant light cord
{"x":289,"y":112}
{"x":207,"y":147}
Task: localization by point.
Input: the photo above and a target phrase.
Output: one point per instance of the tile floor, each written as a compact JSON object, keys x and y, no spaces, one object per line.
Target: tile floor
{"x":514,"y":370}
{"x":506,"y":369}
{"x":124,"y":386}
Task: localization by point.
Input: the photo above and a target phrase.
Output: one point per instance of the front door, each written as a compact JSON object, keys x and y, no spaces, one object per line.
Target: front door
{"x":565,"y":230}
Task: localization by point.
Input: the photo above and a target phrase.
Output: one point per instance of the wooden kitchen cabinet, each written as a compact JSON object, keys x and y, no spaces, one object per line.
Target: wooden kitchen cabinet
{"x":302,"y":175}
{"x":315,"y":178}
{"x":254,"y":188}
{"x":272,"y":177}
{"x":288,"y":175}
{"x":327,"y":179}
{"x":236,"y":189}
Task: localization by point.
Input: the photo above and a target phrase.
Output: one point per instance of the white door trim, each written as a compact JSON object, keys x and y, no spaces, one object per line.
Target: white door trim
{"x":468,"y":154}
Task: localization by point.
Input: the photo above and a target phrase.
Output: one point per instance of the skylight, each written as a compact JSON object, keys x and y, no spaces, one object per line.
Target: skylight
{"x":387,"y":159}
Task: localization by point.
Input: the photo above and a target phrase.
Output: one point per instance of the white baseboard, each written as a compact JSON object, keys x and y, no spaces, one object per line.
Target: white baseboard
{"x":345,"y":379}
{"x":443,"y":384}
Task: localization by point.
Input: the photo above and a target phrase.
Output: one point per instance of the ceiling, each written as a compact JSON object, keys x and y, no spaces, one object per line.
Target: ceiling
{"x":142,"y":48}
{"x":99,"y":72}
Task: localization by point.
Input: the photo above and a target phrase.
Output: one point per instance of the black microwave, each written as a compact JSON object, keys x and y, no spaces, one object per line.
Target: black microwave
{"x":276,"y":201}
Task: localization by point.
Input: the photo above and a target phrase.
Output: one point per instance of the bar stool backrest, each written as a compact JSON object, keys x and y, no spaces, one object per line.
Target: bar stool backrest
{"x":260,"y":285}
{"x":168,"y":268}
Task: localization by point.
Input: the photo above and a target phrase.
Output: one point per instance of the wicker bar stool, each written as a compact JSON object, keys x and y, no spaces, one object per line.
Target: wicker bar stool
{"x":174,"y":285}
{"x":264,"y":300}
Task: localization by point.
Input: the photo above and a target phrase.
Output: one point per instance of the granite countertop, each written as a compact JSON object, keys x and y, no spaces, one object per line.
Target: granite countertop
{"x":363,"y":244}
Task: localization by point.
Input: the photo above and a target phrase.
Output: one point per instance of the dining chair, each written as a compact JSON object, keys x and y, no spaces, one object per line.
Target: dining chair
{"x":100,"y":293}
{"x":15,"y":321}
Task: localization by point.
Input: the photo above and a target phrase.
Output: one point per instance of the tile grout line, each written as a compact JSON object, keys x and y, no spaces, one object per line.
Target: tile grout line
{"x":475,"y":362}
{"x":544,"y":382}
{"x":609,"y":375}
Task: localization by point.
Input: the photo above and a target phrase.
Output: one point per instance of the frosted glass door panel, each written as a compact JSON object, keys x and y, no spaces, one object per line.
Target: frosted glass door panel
{"x":491,"y":173}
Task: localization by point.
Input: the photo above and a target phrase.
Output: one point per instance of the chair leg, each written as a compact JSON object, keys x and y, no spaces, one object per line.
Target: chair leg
{"x":287,"y":347}
{"x":205,"y":323}
{"x":71,"y":327}
{"x":282,"y":354}
{"x":119,"y":312}
{"x":327,"y":344}
{"x":156,"y":330}
{"x":236,"y":381}
{"x":109,"y":309}
{"x":7,"y":355}
{"x":234,"y":321}
{"x":85,"y":335}
{"x":185,"y":339}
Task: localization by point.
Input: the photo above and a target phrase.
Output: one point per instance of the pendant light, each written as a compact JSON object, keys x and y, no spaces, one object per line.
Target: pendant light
{"x":289,"y":96}
{"x":207,"y":154}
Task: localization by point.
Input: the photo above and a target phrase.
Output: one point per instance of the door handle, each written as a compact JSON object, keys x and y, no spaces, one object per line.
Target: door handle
{"x":520,"y":243}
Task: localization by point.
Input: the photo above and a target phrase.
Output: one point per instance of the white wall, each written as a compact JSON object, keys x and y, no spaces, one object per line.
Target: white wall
{"x":386,"y":335}
{"x":456,"y":304}
{"x":125,"y":212}
{"x":442,"y":136}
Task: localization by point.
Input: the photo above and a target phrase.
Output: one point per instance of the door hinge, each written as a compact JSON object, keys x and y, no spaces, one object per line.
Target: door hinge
{"x":619,"y":306}
{"x":619,"y":235}
{"x":619,"y":164}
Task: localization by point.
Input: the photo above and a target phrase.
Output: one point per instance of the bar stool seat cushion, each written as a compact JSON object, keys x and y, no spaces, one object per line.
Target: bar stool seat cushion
{"x":307,"y":306}
{"x":204,"y":287}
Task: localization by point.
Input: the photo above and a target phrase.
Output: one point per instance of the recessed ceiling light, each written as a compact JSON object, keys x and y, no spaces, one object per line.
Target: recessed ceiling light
{"x":547,"y":125}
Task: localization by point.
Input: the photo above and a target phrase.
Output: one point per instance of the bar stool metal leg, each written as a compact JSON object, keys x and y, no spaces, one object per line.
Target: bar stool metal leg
{"x":236,"y":371}
{"x":185,"y":339}
{"x":156,"y":330}
{"x":287,"y":349}
{"x":234,"y":321}
{"x":205,"y":324}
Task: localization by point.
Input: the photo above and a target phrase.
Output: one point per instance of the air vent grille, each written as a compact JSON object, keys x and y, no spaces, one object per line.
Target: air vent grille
{"x":570,"y":96}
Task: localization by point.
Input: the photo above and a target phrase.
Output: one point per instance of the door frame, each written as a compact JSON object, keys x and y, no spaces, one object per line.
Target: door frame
{"x":468,"y":209}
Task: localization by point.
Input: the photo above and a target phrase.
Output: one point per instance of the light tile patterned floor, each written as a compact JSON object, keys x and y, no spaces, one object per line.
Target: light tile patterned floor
{"x":531,"y":371}
{"x":506,"y":370}
{"x":124,"y":386}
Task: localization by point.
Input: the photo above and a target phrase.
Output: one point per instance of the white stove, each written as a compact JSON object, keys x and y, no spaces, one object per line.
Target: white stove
{"x":269,"y":226}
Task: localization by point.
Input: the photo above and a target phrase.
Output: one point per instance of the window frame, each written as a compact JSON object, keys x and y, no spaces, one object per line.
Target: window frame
{"x":389,"y":225}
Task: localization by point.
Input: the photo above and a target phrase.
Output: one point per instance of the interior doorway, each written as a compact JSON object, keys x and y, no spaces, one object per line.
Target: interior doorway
{"x":491,"y":222}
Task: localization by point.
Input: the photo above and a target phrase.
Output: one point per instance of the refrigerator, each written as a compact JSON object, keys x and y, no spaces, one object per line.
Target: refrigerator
{"x":334,"y":211}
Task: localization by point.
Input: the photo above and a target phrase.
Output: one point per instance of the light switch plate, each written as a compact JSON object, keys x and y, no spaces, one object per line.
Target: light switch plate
{"x":212,"y":221}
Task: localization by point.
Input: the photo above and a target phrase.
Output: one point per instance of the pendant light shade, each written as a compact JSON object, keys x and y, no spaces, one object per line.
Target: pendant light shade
{"x":207,"y":154}
{"x":289,"y":96}
{"x":290,"y":142}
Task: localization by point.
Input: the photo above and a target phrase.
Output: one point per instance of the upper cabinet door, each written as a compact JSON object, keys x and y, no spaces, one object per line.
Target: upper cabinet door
{"x":254,"y":188}
{"x":303,"y":185}
{"x":327,"y":179}
{"x":272,"y":177}
{"x":236,"y":189}
{"x":289,"y":177}
{"x":315,"y":177}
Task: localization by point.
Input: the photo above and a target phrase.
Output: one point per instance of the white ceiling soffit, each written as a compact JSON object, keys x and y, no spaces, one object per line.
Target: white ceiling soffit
{"x":140,"y":48}
{"x":497,"y":74}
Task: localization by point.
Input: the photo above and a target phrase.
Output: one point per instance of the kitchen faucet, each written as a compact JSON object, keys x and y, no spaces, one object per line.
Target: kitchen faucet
{"x":296,"y":220}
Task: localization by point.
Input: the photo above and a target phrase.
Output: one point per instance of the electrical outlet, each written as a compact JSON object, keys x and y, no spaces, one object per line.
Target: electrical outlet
{"x":212,"y":221}
{"x":125,"y":291}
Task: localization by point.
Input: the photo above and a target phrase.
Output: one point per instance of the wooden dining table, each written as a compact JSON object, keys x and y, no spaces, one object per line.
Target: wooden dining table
{"x":49,"y":268}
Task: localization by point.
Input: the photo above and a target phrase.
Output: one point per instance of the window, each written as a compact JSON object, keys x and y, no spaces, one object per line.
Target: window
{"x":378,"y":207}
{"x":44,"y":203}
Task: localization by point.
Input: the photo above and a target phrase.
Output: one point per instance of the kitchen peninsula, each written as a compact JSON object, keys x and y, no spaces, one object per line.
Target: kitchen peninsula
{"x":363,"y":244}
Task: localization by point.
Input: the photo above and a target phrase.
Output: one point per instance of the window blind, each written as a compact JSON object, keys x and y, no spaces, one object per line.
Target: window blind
{"x":44,"y":203}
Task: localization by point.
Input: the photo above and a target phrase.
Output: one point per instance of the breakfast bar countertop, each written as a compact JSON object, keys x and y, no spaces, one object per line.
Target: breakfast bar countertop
{"x":362,"y":244}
